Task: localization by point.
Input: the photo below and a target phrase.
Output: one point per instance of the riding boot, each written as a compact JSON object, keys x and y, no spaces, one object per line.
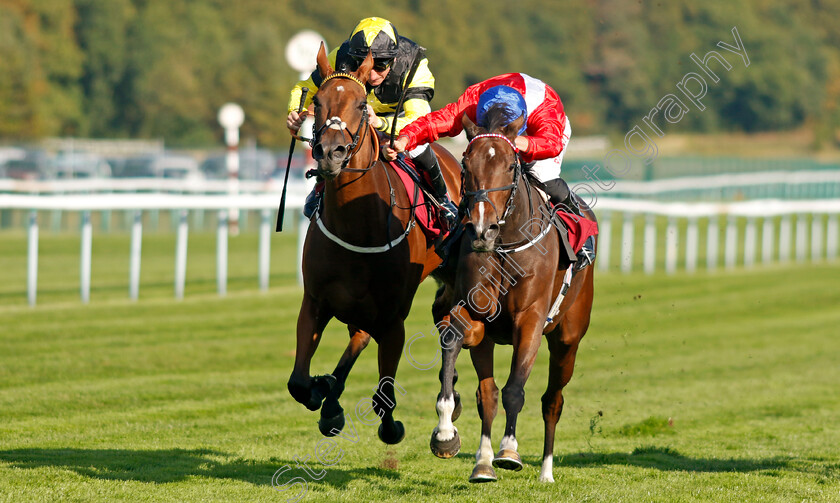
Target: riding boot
{"x":559,"y":194}
{"x":313,"y":198}
{"x":427,"y":161}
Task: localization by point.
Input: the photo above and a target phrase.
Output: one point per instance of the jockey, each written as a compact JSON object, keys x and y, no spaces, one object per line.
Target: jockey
{"x":541,"y":143}
{"x":393,"y":57}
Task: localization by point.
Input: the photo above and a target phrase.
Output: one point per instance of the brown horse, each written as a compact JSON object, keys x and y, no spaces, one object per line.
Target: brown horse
{"x":510,"y":275}
{"x":363,"y":257}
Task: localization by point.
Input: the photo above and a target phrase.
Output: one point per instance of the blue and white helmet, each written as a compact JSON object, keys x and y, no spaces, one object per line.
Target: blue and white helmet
{"x":511,"y":101}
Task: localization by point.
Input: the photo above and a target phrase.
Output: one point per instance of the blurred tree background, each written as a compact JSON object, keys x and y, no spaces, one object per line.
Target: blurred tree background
{"x":162,"y":68}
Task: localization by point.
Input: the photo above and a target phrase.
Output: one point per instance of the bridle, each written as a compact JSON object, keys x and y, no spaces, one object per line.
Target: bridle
{"x":353,"y":148}
{"x":480,"y":196}
{"x":335,"y":122}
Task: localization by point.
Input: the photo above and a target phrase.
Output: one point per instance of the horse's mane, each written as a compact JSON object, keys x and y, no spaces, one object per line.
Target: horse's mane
{"x":496,"y":118}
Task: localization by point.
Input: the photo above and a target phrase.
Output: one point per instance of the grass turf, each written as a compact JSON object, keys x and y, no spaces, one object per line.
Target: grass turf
{"x":706,"y":387}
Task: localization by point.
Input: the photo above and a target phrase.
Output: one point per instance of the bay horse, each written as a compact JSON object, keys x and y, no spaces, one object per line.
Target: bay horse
{"x":363,"y":256}
{"x":507,"y":285}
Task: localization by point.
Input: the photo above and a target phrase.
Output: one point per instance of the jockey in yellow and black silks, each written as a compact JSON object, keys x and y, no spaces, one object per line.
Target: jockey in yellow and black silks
{"x":394,"y":57}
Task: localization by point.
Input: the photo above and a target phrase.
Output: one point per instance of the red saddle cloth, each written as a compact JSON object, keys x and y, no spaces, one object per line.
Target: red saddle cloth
{"x":425,"y":214}
{"x":580,"y":228}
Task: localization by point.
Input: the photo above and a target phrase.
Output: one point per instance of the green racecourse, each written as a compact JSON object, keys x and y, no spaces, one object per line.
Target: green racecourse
{"x":706,"y":387}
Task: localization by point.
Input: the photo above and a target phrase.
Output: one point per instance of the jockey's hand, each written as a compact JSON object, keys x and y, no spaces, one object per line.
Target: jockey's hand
{"x":399,"y":146}
{"x":374,"y":119}
{"x":294,"y":120}
{"x":522,"y":143}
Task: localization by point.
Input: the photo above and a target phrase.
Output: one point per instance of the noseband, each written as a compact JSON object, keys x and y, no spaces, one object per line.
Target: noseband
{"x":338,"y":124}
{"x":480,"y":196}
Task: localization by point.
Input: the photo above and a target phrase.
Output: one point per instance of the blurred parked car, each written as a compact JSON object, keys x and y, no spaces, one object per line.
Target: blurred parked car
{"x":79,"y":165}
{"x":35,"y":165}
{"x":182,"y":167}
{"x":253,"y":165}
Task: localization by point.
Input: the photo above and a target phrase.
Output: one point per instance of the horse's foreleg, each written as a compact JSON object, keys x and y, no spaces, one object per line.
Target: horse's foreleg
{"x":563,"y":345}
{"x":384,"y":400}
{"x":445,"y":442}
{"x":332,"y":415}
{"x":526,"y":341}
{"x":560,"y":367}
{"x":306,"y":390}
{"x":487,"y":399}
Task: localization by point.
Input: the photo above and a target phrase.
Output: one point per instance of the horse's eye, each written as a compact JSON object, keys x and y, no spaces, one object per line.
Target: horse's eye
{"x":363,"y":105}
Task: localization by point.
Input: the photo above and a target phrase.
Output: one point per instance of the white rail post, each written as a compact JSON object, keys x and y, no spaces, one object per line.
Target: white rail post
{"x":672,"y":235}
{"x":264,"y":248}
{"x":832,"y":237}
{"x":692,"y":242}
{"x":650,"y":243}
{"x":222,"y":253}
{"x":731,"y":245}
{"x":32,"y":262}
{"x":712,"y":241}
{"x":785,"y":238}
{"x":801,"y":238}
{"x":627,"y":243}
{"x":87,"y":246}
{"x":181,"y":256}
{"x":604,"y":241}
{"x":816,"y":237}
{"x":750,"y":240}
{"x":134,"y":261}
{"x":767,"y":239}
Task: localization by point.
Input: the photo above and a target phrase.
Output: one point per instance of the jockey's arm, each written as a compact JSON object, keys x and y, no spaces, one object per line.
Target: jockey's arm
{"x":295,"y":119}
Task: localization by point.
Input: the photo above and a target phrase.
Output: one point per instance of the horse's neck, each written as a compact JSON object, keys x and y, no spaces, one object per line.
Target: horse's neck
{"x":524,"y":212}
{"x":358,"y":202}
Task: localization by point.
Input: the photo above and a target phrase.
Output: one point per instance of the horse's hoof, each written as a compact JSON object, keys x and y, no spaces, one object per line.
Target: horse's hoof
{"x":395,"y":436}
{"x":507,"y":459}
{"x":483,"y":473}
{"x":457,"y":412}
{"x":331,"y":426}
{"x":445,"y":449}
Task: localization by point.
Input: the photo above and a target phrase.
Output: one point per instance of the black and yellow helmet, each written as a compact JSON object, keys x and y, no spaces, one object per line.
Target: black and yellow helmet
{"x":376,"y":35}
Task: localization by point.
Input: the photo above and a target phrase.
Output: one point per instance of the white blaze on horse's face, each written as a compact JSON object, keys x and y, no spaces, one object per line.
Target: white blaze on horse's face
{"x":339,"y":88}
{"x":492,"y":152}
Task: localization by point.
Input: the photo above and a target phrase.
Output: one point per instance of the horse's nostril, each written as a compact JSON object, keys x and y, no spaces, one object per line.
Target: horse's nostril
{"x":491,"y":233}
{"x":338,"y":153}
{"x":318,"y":152}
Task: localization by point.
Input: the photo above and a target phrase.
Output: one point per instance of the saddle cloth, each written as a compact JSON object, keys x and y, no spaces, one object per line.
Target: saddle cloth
{"x":426,"y":214}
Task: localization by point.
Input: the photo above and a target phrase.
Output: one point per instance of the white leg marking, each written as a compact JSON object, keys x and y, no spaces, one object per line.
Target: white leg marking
{"x":445,"y":430}
{"x":484,"y":454}
{"x":546,"y":473}
{"x":509,"y":442}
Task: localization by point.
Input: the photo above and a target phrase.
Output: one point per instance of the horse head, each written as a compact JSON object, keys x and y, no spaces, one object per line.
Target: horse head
{"x":341,"y":116}
{"x":491,"y":175}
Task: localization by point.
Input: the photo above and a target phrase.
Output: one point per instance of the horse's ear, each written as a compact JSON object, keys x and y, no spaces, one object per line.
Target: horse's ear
{"x":511,"y":131}
{"x":324,"y":67}
{"x":470,"y":127}
{"x":363,"y":72}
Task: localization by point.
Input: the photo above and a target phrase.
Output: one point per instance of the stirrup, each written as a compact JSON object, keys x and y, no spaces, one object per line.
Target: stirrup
{"x":449,"y":212}
{"x":586,"y":255}
{"x":311,"y":203}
